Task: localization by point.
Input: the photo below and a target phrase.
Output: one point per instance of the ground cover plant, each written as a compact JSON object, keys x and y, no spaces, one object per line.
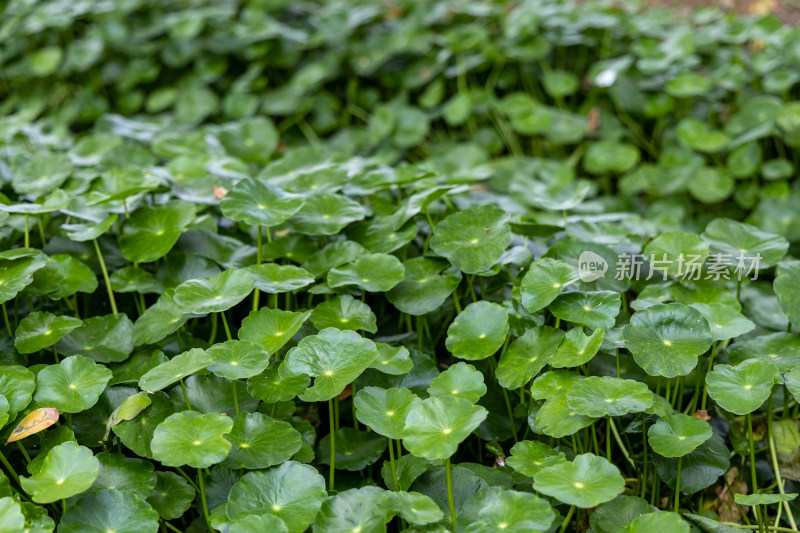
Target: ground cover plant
{"x":403,"y":266}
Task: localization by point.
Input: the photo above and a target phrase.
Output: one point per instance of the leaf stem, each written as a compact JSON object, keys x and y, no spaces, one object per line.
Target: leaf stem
{"x":393,"y":465}
{"x":567,"y":519}
{"x":201,"y":484}
{"x":225,"y":325}
{"x":753,"y":481}
{"x":775,"y":466}
{"x":333,"y":444}
{"x":258,"y":262}
{"x":622,"y":447}
{"x":9,"y":468}
{"x":171,"y":527}
{"x":678,"y":486}
{"x":24,"y":452}
{"x":27,"y":234}
{"x":185,"y":394}
{"x":5,"y":319}
{"x":708,"y":369}
{"x":187,"y":478}
{"x":450,"y":504}
{"x":235,"y":395}
{"x":105,"y":277}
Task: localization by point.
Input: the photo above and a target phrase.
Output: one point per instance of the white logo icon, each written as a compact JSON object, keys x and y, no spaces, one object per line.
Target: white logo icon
{"x":591,"y":266}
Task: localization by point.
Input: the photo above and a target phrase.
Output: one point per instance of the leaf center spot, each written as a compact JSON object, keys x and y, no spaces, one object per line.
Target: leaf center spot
{"x":344,"y":320}
{"x":262,"y":206}
{"x":218,"y":297}
{"x":587,"y":308}
{"x":384,"y":362}
{"x":279,"y":333}
{"x":609,"y":400}
{"x":197,"y":442}
{"x":364,"y":280}
{"x":72,"y":386}
{"x":578,"y":485}
{"x":482,"y":336}
{"x":447,"y":431}
{"x":329,"y":373}
{"x":60,"y":481}
{"x":276,"y":507}
{"x":682,"y":437}
{"x":244,"y":445}
{"x":234,"y":363}
{"x":473,"y":242}
{"x":556,"y":285}
{"x":159,"y":233}
{"x":667,"y":342}
{"x":748,"y":387}
{"x":718,"y":326}
{"x":454,"y":391}
{"x":48,"y":332}
{"x":389,"y":413}
{"x":326,"y":216}
{"x":502,"y":525}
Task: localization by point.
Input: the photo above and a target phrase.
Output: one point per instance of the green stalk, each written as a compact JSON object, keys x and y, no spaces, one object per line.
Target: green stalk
{"x":333,"y":443}
{"x":451,"y":505}
{"x":608,"y":438}
{"x":743,"y":526}
{"x":225,"y":325}
{"x":775,"y":466}
{"x":24,"y":452}
{"x":171,"y":527}
{"x":9,"y":468}
{"x":105,"y":277}
{"x":393,"y":465}
{"x":678,"y":486}
{"x":63,"y":506}
{"x":708,"y":369}
{"x":185,"y":394}
{"x":235,"y":396}
{"x":567,"y":519}
{"x":213,"y":336}
{"x":622,"y":447}
{"x":258,"y":262}
{"x":753,"y":463}
{"x":5,"y":319}
{"x":644,"y":468}
{"x":202,"y":487}
{"x":27,"y":234}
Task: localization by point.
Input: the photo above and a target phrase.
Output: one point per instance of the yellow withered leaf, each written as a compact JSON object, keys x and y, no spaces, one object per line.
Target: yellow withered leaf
{"x":35,"y":422}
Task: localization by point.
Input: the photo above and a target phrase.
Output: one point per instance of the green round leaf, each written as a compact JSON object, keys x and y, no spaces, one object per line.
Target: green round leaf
{"x":237,"y":359}
{"x":529,"y":457}
{"x":17,"y":274}
{"x":414,"y":507}
{"x":125,"y":474}
{"x":556,"y":419}
{"x":291,"y":491}
{"x":461,"y":380}
{"x":274,"y":278}
{"x":137,"y":433}
{"x":666,"y":339}
{"x":355,"y":450}
{"x":595,"y":310}
{"x":327,"y":214}
{"x":277,"y":384}
{"x":731,"y":238}
{"x":191,"y":438}
{"x":151,"y":232}
{"x":271,"y":328}
{"x":585,"y":482}
{"x":426,"y":285}
{"x":40,"y":330}
{"x":544,"y":281}
{"x":527,"y":356}
{"x":741,"y":389}
{"x":67,"y":470}
{"x":436,"y":426}
{"x":724,"y":321}
{"x":510,"y":510}
{"x":472,"y":239}
{"x":260,"y":204}
{"x":177,"y":368}
{"x":478,"y":331}
{"x":260,"y":441}
{"x":71,"y":386}
{"x":699,"y":469}
{"x":614,"y":516}
{"x":344,"y":312}
{"x":763,"y":499}
{"x":333,"y":358}
{"x":577,"y":348}
{"x":391,"y":360}
{"x":110,"y":510}
{"x":372,"y":273}
{"x":787,"y":290}
{"x":363,"y":509}
{"x":384,"y":411}
{"x":11,"y":518}
{"x":17,"y":384}
{"x":215,"y":294}
{"x":599,"y":396}
{"x":658,"y":521}
{"x":105,"y":339}
{"x":172,"y":495}
{"x":677,"y":435}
